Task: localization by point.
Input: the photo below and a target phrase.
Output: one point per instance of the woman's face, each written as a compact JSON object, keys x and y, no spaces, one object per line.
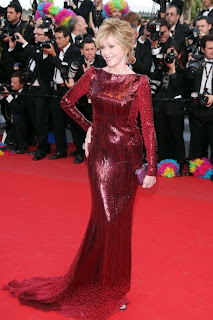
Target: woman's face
{"x":113,"y":52}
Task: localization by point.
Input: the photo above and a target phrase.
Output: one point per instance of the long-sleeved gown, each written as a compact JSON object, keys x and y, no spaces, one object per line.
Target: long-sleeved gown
{"x":97,"y":281}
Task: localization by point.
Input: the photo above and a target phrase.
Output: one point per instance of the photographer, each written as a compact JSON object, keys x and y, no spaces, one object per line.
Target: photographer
{"x":16,"y":115}
{"x":169,"y":115}
{"x":158,"y":33}
{"x":142,"y":60}
{"x":12,"y":25}
{"x":61,"y":60}
{"x":193,"y":36}
{"x":39,"y":74}
{"x":207,"y":11}
{"x":201,"y":111}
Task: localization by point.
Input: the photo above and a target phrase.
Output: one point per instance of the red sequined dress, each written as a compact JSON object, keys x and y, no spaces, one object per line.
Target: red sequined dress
{"x":97,"y":281}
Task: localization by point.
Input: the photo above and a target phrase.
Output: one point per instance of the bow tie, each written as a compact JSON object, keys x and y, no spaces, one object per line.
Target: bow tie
{"x":61,"y":50}
{"x":206,"y":10}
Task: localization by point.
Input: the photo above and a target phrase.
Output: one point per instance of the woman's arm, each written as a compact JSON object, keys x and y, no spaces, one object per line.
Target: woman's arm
{"x":147,"y":122}
{"x":68,"y":101}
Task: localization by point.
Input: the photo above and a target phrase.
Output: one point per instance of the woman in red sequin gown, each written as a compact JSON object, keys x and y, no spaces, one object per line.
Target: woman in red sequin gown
{"x":97,"y":281}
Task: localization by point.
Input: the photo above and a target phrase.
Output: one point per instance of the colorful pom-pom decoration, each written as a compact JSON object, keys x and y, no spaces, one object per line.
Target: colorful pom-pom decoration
{"x":201,"y":168}
{"x":61,"y":16}
{"x":168,"y":168}
{"x":4,"y":151}
{"x":115,"y":4}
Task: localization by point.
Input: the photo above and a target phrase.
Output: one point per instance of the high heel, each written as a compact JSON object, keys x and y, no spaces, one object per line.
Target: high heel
{"x":124,"y":306}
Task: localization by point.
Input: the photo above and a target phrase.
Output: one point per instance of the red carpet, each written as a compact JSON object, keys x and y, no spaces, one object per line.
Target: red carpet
{"x":45,"y":207}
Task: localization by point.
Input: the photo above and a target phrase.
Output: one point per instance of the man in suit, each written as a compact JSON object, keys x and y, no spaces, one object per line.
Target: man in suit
{"x":177,"y":30}
{"x":159,"y":46}
{"x":81,"y":8}
{"x":88,"y":58}
{"x":203,"y":25}
{"x":61,"y":59}
{"x":16,"y":108}
{"x":207,"y":11}
{"x":142,"y":60}
{"x":40,"y":70}
{"x":201,"y":124}
{"x":14,"y":24}
{"x":78,"y":28}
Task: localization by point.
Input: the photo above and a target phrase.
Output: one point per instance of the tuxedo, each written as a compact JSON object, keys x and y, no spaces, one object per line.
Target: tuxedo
{"x":85,"y":8}
{"x":39,"y":104}
{"x":16,"y":127}
{"x":201,"y":128}
{"x":143,"y":57}
{"x":83,"y":105}
{"x":59,"y":117}
{"x":169,"y":116}
{"x":7,"y":58}
{"x":209,"y":15}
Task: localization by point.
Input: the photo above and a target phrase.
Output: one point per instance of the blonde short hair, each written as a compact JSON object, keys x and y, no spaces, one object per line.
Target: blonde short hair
{"x":121,"y":31}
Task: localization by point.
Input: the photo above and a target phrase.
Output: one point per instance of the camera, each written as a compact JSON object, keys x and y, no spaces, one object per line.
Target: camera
{"x":14,"y":38}
{"x":154,"y":29}
{"x":78,"y":40}
{"x":3,"y":86}
{"x":73,"y":69}
{"x":193,"y":69}
{"x":64,"y":70}
{"x":192,"y":34}
{"x":170,"y":57}
{"x":47,"y":21}
{"x":45,"y":44}
{"x":203,"y":99}
{"x":29,"y":77}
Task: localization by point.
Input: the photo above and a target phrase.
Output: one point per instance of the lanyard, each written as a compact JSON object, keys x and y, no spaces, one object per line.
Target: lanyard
{"x":207,"y":74}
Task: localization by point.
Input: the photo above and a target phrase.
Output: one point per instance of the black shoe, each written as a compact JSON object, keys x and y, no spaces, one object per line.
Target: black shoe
{"x":79,"y":159}
{"x":58,"y":155}
{"x":39,"y":156}
{"x":32,"y":153}
{"x":180,"y":173}
{"x":73,"y":154}
{"x":188,"y":174}
{"x":21,"y":150}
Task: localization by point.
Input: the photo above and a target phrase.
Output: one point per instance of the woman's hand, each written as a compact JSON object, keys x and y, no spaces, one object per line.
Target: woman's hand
{"x":88,"y":141}
{"x":149,"y":181}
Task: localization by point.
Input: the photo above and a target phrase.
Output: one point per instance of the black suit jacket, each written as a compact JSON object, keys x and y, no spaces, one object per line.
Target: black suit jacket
{"x":180,"y":33}
{"x":19,"y":104}
{"x":84,"y":10}
{"x":176,"y":87}
{"x":143,"y":57}
{"x":43,"y":69}
{"x":210,"y":16}
{"x":72,"y":54}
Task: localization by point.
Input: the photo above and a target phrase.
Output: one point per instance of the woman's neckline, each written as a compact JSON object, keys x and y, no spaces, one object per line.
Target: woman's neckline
{"x":118,"y":74}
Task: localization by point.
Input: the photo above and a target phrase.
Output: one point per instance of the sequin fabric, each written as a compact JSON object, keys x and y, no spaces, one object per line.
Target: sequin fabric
{"x":97,"y":281}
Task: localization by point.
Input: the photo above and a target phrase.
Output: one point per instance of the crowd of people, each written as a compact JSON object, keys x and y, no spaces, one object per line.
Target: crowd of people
{"x":42,"y":61}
